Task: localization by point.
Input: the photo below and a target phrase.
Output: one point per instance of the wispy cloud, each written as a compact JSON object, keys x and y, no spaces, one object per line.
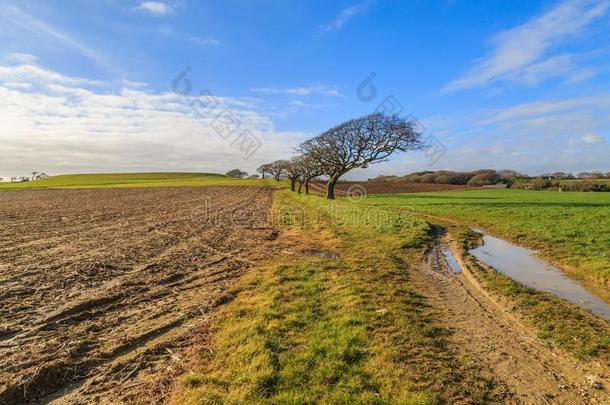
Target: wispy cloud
{"x":580,"y":75}
{"x":552,"y":67}
{"x":47,"y":32}
{"x":521,"y":53}
{"x":329,"y":91}
{"x":207,"y":41}
{"x":38,"y":76}
{"x":22,"y":58}
{"x":298,"y":103}
{"x":347,"y":14}
{"x":156,"y":8}
{"x":550,"y":108}
{"x":200,"y":41}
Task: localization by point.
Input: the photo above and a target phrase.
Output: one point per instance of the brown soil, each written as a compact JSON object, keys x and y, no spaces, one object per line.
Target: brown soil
{"x":100,"y":290}
{"x":488,"y":334}
{"x":344,"y":188}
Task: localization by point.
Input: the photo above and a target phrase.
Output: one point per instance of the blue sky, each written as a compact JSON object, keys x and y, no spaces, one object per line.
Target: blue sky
{"x":86,"y":86}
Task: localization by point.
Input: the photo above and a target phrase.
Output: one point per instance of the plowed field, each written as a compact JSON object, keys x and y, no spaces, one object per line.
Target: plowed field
{"x":101,"y":288}
{"x":344,"y":188}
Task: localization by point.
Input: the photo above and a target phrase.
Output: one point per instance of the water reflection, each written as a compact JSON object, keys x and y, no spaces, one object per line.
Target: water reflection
{"x":451,"y":260}
{"x":523,"y":266}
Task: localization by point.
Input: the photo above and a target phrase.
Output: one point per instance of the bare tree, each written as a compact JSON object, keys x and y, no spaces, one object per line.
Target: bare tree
{"x":264,"y":169}
{"x":310,"y":169}
{"x":360,"y":142}
{"x":292,"y":169}
{"x":34,"y":175}
{"x":277,"y":169}
{"x":597,"y":175}
{"x":559,"y":175}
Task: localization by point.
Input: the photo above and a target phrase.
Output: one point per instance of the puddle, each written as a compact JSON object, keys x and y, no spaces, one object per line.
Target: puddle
{"x":522,"y":265}
{"x":451,"y":260}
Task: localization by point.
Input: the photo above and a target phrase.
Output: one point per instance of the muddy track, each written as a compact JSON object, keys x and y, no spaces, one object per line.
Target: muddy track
{"x":102,"y":287}
{"x":488,"y":334}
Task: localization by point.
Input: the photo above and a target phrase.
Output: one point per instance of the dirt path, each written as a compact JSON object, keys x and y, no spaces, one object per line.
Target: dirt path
{"x":488,"y":334}
{"x":101,"y":289}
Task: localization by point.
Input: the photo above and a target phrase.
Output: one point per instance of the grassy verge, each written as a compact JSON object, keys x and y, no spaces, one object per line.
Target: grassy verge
{"x":132,"y":180}
{"x":343,"y":327}
{"x":570,"y":229}
{"x":557,"y":321}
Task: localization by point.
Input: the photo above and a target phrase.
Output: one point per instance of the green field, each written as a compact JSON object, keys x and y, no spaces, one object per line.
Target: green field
{"x":571,"y":229}
{"x":306,"y":329}
{"x":135,"y":180}
{"x":350,"y":327}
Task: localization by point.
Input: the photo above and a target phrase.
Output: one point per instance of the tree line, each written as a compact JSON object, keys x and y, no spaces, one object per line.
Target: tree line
{"x":487,"y":177}
{"x":353,"y":144}
{"x":474,"y":178}
{"x":22,"y":179}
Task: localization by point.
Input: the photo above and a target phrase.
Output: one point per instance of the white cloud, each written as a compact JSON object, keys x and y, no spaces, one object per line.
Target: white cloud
{"x":592,"y":139}
{"x":200,"y":41}
{"x":347,"y":14}
{"x":298,"y":103}
{"x":155,"y":7}
{"x":523,"y":111}
{"x":24,"y":58}
{"x":203,"y":41}
{"x":300,"y":91}
{"x":18,"y":85}
{"x":46,"y":32}
{"x":68,"y":124}
{"x":521,"y":51}
{"x":36,"y":76}
{"x":133,"y":84}
{"x":536,"y":72}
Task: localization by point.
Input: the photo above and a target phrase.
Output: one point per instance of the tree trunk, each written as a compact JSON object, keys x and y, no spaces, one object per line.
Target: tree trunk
{"x":300,"y":187}
{"x":330,"y":187}
{"x":292,"y":182}
{"x":307,"y":186}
